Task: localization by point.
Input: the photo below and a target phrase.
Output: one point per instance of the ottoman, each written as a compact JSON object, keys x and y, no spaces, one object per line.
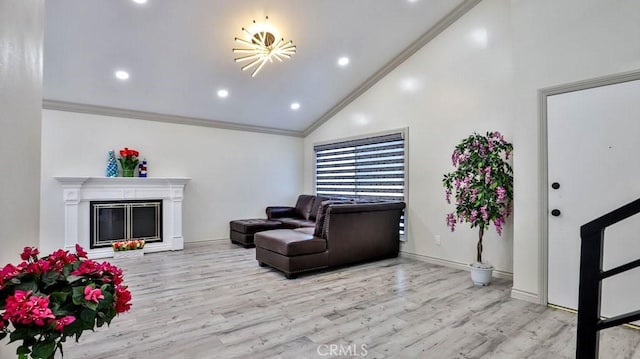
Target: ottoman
{"x":241,"y":231}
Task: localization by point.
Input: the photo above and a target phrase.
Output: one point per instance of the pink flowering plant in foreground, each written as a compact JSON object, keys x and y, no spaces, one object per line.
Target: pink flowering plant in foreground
{"x":45,"y":300}
{"x":481,"y":185}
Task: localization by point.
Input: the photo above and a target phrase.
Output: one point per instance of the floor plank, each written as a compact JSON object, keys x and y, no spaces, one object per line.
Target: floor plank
{"x":212,"y":300}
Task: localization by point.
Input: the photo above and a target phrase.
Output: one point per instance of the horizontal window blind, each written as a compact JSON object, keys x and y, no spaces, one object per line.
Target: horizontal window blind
{"x":370,"y":168}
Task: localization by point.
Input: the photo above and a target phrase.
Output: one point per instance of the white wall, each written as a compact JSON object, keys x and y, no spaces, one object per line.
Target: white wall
{"x":234,"y":174}
{"x":456,"y":84}
{"x":453,"y":86}
{"x":557,"y":42}
{"x":21,"y":34}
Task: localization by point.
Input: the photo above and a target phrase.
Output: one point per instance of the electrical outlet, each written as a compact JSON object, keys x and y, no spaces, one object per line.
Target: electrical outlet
{"x":437,"y":239}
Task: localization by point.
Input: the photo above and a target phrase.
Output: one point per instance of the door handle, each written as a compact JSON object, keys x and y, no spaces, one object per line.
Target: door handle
{"x":555,"y":185}
{"x":555,"y":212}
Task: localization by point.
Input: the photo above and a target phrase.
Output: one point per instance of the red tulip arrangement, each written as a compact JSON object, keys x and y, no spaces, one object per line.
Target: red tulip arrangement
{"x":128,"y":245}
{"x":45,"y":300}
{"x":129,"y":161}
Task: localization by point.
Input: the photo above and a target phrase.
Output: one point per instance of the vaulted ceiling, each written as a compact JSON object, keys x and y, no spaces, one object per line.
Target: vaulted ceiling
{"x":178,"y":55}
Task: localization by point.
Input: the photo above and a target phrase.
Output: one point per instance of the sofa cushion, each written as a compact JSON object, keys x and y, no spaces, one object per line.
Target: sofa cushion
{"x":250,"y":226}
{"x":290,"y":242}
{"x":317,"y":202}
{"x":296,"y":222}
{"x":303,"y":205}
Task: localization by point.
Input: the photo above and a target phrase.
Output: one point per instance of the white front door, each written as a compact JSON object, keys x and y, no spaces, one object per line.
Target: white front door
{"x":594,"y":157}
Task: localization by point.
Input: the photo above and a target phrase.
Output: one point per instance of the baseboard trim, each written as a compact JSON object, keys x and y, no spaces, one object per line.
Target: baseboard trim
{"x":452,"y":264}
{"x":526,"y":296}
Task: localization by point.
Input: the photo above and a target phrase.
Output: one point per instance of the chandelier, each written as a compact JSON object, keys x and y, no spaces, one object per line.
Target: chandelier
{"x":261,"y":45}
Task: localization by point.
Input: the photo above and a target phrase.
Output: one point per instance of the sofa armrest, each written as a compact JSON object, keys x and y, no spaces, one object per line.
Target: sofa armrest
{"x":281,"y":212}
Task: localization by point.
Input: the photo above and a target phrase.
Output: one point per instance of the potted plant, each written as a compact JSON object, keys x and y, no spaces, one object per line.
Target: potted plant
{"x":482,"y":187}
{"x":128,"y":248}
{"x":129,"y":161}
{"x":44,"y":300}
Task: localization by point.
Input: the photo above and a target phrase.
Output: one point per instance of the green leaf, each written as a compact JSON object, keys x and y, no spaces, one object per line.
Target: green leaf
{"x":23,"y":349}
{"x":44,"y":350}
{"x":73,"y":278}
{"x":78,"y":295}
{"x":28,"y":286}
{"x":93,"y":306}
{"x":50,"y":278}
{"x":18,"y":334}
{"x":88,"y":318}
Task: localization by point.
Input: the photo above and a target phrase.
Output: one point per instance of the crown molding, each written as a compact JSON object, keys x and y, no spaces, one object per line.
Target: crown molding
{"x":439,"y":27}
{"x":152,"y":116}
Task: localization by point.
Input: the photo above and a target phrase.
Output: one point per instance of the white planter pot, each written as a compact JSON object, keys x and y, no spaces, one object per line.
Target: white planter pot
{"x":481,"y":273}
{"x":132,"y":253}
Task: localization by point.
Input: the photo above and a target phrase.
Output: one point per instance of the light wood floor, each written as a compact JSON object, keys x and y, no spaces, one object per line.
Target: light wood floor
{"x":213,"y":301}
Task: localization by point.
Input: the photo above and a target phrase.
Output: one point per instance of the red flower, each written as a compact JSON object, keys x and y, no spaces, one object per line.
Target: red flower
{"x":23,"y":308}
{"x":63,"y":322}
{"x":7,"y":273}
{"x":80,"y":251}
{"x":92,"y":295}
{"x":123,"y":296}
{"x":88,"y":267}
{"x":29,"y":252}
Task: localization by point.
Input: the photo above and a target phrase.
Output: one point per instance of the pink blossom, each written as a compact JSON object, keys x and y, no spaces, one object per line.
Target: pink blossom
{"x":485,"y":214}
{"x":448,"y":196}
{"x":80,"y":251}
{"x":23,"y":308}
{"x":451,"y":221}
{"x":474,"y":215}
{"x":487,"y":175}
{"x":455,"y":157}
{"x":29,"y":252}
{"x":498,"y":222}
{"x":123,"y":299}
{"x":499,"y":136}
{"x":474,"y":194}
{"x":92,"y":295}
{"x":63,"y":322}
{"x":502,"y":193}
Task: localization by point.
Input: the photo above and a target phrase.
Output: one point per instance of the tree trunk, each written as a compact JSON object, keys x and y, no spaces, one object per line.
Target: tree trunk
{"x":479,"y":247}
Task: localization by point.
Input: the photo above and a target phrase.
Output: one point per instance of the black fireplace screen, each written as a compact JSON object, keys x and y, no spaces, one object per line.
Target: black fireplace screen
{"x":123,"y":220}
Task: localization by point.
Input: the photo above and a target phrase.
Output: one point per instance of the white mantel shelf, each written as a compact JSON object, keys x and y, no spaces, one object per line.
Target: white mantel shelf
{"x":123,"y":180}
{"x":78,"y":191}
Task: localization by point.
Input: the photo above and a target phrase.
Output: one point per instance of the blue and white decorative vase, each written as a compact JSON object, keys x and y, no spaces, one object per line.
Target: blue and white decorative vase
{"x":112,"y":165}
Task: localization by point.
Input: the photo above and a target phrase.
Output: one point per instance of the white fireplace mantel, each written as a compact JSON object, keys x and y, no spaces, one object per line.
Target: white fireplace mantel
{"x":78,"y":191}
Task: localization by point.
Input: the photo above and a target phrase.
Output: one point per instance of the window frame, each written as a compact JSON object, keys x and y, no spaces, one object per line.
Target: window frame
{"x":404,"y":133}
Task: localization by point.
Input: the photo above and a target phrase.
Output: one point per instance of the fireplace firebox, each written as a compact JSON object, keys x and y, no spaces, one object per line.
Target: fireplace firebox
{"x":112,"y":221}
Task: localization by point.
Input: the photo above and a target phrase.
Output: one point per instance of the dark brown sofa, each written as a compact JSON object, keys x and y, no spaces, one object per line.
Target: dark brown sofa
{"x":303,"y":214}
{"x":343,"y":234}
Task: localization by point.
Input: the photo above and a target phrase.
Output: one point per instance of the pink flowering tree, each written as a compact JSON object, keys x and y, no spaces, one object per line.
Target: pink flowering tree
{"x":481,"y":186}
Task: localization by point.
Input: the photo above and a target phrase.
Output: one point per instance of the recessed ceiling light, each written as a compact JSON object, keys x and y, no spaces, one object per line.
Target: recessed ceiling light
{"x":295,"y":106}
{"x":480,"y":36}
{"x":343,"y":61}
{"x":140,"y":1}
{"x":223,"y":93}
{"x":122,"y":75}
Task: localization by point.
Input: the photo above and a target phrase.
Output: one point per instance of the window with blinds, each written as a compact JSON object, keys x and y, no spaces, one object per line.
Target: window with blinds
{"x":367,"y":168}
